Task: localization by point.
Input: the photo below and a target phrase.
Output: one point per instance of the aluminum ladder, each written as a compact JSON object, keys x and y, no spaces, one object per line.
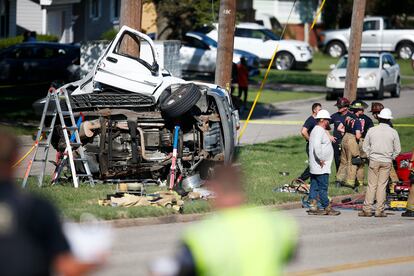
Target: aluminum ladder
{"x":42,"y":147}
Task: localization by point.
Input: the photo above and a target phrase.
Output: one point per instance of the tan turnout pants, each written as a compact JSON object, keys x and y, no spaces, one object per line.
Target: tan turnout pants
{"x":347,"y":172}
{"x":360,"y":176}
{"x":378,"y":174}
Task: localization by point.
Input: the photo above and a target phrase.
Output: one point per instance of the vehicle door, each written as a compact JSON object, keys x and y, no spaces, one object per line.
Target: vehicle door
{"x":8,"y":66}
{"x":195,"y":55}
{"x":248,"y":40}
{"x":371,"y":36}
{"x":393,"y":69}
{"x":20,"y":62}
{"x":46,"y":66}
{"x":386,"y":71}
{"x":130,"y":63}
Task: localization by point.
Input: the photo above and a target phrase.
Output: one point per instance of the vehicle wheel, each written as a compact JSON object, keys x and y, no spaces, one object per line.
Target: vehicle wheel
{"x":405,"y":50}
{"x":331,"y":96}
{"x":335,"y":49}
{"x":284,"y":61}
{"x":181,"y":100}
{"x":397,"y":90}
{"x":380,"y":93}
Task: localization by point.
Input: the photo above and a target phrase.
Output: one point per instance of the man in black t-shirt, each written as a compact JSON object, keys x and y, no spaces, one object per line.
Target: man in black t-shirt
{"x":306,"y":130}
{"x":31,"y":237}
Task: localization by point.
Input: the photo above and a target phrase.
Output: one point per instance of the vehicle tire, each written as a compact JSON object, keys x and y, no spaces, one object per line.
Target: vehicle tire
{"x":336,"y":49}
{"x":405,"y":50}
{"x":380,"y":93}
{"x":181,"y":100}
{"x":395,"y":93}
{"x":284,"y":61}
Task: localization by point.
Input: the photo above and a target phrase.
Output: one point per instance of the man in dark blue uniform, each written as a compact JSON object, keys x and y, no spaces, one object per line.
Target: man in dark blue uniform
{"x":350,"y":154}
{"x":307,"y":127}
{"x":338,"y":119}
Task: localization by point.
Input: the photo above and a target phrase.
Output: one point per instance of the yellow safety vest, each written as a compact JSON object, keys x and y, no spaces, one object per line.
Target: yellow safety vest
{"x":243,"y":242}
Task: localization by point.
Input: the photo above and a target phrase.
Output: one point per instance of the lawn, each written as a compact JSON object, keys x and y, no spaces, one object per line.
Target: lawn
{"x":271,"y":96}
{"x":262,"y":164}
{"x":316,"y":72}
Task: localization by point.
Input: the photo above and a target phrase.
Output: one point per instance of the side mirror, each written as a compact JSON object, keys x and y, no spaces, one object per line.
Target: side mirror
{"x":332,"y":66}
{"x":386,"y":65}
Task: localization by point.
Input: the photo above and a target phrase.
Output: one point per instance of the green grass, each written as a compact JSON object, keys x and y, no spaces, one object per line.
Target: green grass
{"x":271,"y":96}
{"x":261,"y":164}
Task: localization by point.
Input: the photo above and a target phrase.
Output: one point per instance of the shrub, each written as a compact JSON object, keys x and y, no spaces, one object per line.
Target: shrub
{"x":109,"y":34}
{"x":7,"y":42}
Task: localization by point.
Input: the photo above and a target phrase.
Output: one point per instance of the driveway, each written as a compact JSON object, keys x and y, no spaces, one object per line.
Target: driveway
{"x":280,"y":120}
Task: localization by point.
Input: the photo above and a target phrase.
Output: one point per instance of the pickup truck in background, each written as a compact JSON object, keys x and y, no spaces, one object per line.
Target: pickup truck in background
{"x":378,"y":35}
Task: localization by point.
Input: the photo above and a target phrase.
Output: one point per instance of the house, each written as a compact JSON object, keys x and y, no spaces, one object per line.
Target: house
{"x":298,"y":23}
{"x":69,"y":20}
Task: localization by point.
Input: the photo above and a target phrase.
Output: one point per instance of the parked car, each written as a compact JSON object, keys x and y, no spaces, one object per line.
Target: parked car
{"x":39,"y":62}
{"x":378,"y":35}
{"x":131,"y":107}
{"x":378,"y":72}
{"x":257,"y":39}
{"x":198,"y":53}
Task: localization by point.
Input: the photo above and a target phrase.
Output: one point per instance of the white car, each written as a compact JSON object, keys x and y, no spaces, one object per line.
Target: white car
{"x":198,"y":54}
{"x":256,"y":39}
{"x":378,"y":72}
{"x":134,"y":112}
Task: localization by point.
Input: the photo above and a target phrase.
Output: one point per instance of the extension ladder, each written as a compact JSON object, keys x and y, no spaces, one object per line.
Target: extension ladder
{"x":41,"y":156}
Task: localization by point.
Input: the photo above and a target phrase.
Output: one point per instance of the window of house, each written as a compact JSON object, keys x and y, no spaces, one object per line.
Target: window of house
{"x":95,"y":9}
{"x":115,"y":10}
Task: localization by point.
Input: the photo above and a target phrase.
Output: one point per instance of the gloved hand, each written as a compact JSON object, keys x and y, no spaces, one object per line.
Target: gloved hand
{"x":356,"y":161}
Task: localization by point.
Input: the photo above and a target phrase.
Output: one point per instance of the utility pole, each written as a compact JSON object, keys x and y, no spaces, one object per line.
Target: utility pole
{"x":224,"y":60}
{"x":131,"y":13}
{"x":351,"y":80}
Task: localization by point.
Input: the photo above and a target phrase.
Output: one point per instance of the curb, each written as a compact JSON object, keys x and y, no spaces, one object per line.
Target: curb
{"x":137,"y":222}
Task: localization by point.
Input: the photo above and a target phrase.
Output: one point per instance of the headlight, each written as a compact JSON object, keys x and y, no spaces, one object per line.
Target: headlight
{"x":371,"y":77}
{"x":331,"y":77}
{"x":404,"y":164}
{"x":301,"y":48}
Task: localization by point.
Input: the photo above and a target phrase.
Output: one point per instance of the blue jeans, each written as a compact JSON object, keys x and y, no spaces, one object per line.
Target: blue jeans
{"x":319,"y":187}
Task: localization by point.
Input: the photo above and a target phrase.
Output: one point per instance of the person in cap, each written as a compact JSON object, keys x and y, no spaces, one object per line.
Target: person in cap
{"x":382,"y":145}
{"x":235,"y":240}
{"x":366,"y":124}
{"x":338,"y":119}
{"x":376,"y":108}
{"x":306,"y":130}
{"x":350,"y":158}
{"x":320,"y":161}
{"x":409,"y":212}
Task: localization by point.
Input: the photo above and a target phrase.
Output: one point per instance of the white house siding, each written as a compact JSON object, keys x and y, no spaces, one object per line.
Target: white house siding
{"x":59,"y":22}
{"x":29,"y":16}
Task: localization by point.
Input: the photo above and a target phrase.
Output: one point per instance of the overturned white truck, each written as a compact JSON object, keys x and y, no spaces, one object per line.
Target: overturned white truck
{"x":131,"y":107}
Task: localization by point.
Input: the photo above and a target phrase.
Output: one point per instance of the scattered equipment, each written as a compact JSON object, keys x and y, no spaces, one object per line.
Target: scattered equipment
{"x":53,"y":99}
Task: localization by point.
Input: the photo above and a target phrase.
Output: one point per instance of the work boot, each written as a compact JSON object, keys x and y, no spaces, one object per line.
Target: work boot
{"x":408,"y":213}
{"x":364,"y":214}
{"x":313,"y":208}
{"x":339,"y":184}
{"x":329,"y":211}
{"x":380,"y":215}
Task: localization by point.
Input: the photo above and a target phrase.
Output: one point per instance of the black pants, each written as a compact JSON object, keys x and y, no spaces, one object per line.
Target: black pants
{"x":243,"y":90}
{"x":337,"y":153}
{"x":306,"y":173}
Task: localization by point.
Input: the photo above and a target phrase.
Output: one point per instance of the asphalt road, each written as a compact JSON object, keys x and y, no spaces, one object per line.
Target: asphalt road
{"x":285,"y":119}
{"x":343,"y":245}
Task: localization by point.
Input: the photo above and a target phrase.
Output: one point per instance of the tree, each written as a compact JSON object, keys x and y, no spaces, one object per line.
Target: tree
{"x":176,"y":17}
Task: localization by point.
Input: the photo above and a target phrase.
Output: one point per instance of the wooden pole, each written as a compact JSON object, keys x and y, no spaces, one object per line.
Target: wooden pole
{"x":351,"y":80}
{"x":131,"y":13}
{"x":224,"y":61}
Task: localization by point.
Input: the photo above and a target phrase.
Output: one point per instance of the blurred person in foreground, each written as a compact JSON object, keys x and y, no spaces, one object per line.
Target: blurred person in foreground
{"x":237,"y":239}
{"x":382,"y":146}
{"x":31,"y":237}
{"x":321,"y":155}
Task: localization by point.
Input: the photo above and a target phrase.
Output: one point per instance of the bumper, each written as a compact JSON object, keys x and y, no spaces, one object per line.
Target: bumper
{"x":360,"y":91}
{"x":303,"y":64}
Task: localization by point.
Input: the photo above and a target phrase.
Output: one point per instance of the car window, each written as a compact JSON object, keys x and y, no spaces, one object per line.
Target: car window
{"x":133,"y":47}
{"x":47,"y":52}
{"x":364,"y":62}
{"x":240,"y":32}
{"x":194,"y":42}
{"x":371,"y":25}
{"x":22,"y":53}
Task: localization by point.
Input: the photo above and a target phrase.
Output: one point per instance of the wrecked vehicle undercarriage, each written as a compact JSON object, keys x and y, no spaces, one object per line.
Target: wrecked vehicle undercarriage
{"x":134,"y":112}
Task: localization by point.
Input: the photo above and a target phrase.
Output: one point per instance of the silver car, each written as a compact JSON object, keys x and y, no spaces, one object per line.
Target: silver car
{"x":378,"y":72}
